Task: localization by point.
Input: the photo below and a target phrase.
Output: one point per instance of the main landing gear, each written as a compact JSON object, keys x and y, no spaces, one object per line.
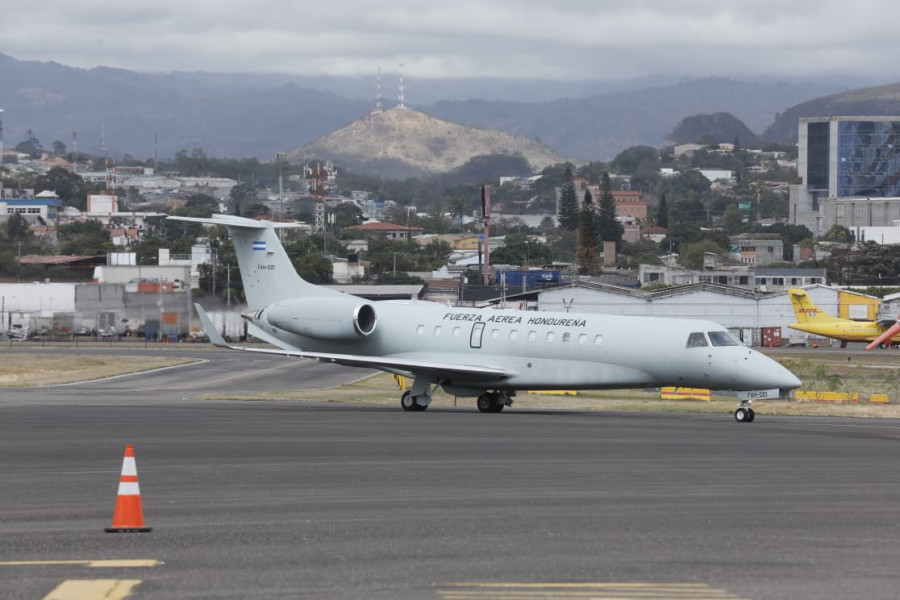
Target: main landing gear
{"x":493,"y":402}
{"x":744,"y":414}
{"x":409,"y":402}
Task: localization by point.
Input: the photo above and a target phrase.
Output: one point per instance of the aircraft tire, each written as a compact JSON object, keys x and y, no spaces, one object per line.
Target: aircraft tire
{"x":486,"y":403}
{"x":742,"y":415}
{"x":407,"y":402}
{"x":752,"y":414}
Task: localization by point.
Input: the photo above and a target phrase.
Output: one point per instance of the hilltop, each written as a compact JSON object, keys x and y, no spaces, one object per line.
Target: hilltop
{"x":866,"y":102}
{"x":723,"y":127}
{"x":401,"y":143}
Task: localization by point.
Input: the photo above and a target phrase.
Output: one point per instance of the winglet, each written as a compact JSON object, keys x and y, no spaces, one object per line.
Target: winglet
{"x":214,"y":336}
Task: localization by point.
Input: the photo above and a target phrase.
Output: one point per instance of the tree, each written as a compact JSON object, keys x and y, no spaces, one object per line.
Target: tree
{"x":314,"y":268}
{"x":662,"y":212}
{"x":17,"y":228}
{"x":241,"y":195}
{"x":732,"y":219}
{"x":70,"y":188}
{"x":459,"y":206}
{"x":31,"y":146}
{"x":691,"y":256}
{"x":837,"y":233}
{"x":87,"y":238}
{"x":636,"y":158}
{"x":59,"y":149}
{"x":519,"y":249}
{"x":608,"y":228}
{"x":568,"y":203}
{"x":587,"y":250}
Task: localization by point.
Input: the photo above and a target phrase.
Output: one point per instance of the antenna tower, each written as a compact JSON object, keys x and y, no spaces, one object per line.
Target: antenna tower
{"x":318,"y":176}
{"x":400,"y":96}
{"x":75,"y":151}
{"x":378,"y":103}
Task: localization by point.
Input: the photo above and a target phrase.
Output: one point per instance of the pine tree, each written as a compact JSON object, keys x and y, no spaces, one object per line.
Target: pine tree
{"x":609,"y":229}
{"x":587,"y":249}
{"x":567,"y":211}
{"x":662,"y":213}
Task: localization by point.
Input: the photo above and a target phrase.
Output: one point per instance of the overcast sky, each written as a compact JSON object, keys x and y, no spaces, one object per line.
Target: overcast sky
{"x":523,"y":39}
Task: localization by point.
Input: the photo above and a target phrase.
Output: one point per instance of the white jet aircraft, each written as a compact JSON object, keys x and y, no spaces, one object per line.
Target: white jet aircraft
{"x":488,"y":354}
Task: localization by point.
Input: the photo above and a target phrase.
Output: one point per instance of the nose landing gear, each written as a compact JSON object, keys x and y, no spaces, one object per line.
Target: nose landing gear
{"x":744,"y":414}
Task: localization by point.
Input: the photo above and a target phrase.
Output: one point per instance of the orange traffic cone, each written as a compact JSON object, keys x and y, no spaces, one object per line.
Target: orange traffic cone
{"x":128,"y":516}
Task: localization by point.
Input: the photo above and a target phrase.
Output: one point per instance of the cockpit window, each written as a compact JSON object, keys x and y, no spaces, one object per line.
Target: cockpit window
{"x":697,"y":340}
{"x":722,"y":338}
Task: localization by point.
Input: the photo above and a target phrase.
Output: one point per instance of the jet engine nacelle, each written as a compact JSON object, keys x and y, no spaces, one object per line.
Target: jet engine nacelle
{"x":325,"y":318}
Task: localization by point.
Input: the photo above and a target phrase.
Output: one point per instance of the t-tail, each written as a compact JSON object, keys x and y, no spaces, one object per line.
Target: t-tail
{"x":266,"y":269}
{"x":806,"y":311}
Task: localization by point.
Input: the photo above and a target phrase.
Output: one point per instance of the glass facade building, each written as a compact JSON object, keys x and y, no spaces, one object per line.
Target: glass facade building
{"x":868,"y":158}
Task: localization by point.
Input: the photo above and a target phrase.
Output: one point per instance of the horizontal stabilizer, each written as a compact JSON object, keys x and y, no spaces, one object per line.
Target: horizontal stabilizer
{"x":225,"y":221}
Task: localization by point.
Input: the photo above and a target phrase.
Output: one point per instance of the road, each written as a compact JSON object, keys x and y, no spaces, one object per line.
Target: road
{"x":316,"y":500}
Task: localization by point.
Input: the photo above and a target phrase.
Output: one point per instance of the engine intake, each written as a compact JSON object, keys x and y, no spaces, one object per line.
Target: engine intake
{"x":325,"y":318}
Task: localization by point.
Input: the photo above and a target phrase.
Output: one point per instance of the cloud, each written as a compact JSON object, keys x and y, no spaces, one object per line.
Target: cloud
{"x":567,"y":39}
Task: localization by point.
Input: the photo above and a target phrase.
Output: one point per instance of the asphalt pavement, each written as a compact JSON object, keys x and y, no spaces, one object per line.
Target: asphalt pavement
{"x":317,"y":500}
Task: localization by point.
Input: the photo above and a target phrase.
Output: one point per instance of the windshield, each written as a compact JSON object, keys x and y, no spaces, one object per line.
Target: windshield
{"x":722,"y":338}
{"x":697,"y":340}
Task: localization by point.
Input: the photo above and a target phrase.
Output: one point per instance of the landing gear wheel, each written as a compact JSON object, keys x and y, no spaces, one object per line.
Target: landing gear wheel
{"x":752,"y":415}
{"x":498,"y":407}
{"x":486,"y":403}
{"x":743,"y":415}
{"x":407,"y":402}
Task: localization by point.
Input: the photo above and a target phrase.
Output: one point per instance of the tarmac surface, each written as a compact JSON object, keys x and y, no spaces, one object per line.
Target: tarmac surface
{"x":316,"y":500}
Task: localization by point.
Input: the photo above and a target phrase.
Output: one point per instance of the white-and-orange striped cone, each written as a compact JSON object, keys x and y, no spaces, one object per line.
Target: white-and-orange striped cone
{"x":129,"y":515}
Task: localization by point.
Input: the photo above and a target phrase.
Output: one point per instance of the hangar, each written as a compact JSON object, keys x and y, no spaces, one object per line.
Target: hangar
{"x":739,"y":309}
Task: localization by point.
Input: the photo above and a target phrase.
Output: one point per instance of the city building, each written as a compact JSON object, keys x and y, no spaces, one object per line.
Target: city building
{"x":850,"y":172}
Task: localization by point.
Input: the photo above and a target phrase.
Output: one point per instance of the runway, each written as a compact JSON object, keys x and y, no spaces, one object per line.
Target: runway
{"x":282,"y":500}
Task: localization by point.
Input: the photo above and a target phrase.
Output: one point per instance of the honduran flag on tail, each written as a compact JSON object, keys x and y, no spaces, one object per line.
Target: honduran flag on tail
{"x":259,"y":245}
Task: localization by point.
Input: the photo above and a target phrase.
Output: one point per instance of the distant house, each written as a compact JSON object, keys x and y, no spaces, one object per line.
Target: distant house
{"x":33,"y":209}
{"x":388,"y":231}
{"x":629,"y":204}
{"x":657,"y":234}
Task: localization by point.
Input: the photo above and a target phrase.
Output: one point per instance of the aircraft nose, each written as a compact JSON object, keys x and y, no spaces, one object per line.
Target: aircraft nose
{"x":779,"y":376}
{"x":788,"y":381}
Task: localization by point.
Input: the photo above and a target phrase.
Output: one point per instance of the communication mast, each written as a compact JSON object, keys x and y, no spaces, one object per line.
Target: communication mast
{"x":75,"y":151}
{"x":486,"y":228}
{"x":379,"y":106}
{"x":400,"y":96}
{"x":318,"y":175}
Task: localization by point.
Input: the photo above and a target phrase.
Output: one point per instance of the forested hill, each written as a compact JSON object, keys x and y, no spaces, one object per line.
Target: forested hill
{"x":867,"y":102}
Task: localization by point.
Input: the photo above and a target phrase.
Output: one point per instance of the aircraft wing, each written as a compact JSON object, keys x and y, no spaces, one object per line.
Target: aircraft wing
{"x":385,"y":363}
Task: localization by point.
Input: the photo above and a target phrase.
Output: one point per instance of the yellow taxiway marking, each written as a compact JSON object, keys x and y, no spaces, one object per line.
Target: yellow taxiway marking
{"x":107,"y":589}
{"x":582,"y":591}
{"x":96,"y":564}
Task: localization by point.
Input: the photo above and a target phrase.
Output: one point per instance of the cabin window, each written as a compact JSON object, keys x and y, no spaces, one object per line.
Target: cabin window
{"x":567,"y":337}
{"x":513,"y":334}
{"x":437,"y":331}
{"x":722,"y":338}
{"x":456,"y":331}
{"x":495,"y":333}
{"x":582,"y":338}
{"x":420,"y":330}
{"x":532,"y":335}
{"x":550,"y":336}
{"x":697,"y":340}
{"x":598,"y":339}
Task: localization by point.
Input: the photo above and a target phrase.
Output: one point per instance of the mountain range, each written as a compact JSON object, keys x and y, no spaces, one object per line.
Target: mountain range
{"x":241,"y":115}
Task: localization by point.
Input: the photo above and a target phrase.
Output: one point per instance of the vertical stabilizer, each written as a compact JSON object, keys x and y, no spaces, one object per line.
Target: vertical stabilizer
{"x":806,"y":311}
{"x":266,"y":269}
